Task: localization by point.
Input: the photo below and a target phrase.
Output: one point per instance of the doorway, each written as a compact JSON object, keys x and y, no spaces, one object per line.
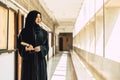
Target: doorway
{"x":60,"y":44}
{"x":65,"y":41}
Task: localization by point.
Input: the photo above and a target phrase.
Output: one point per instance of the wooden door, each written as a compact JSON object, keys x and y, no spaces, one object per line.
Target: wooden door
{"x":19,"y":30}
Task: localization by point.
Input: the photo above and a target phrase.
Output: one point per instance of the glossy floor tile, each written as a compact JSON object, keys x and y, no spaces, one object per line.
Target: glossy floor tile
{"x":60,"y":67}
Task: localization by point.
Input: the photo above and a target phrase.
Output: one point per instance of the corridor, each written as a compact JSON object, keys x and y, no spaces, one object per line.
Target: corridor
{"x":83,"y":38}
{"x":60,"y":67}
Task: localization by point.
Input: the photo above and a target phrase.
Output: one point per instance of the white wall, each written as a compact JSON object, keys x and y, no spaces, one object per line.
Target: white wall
{"x":7,"y":67}
{"x":112,"y":31}
{"x":50,"y":47}
{"x":97,"y":40}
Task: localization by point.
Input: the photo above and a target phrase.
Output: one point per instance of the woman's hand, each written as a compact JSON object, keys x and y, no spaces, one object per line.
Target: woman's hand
{"x":29,"y":48}
{"x":37,"y":48}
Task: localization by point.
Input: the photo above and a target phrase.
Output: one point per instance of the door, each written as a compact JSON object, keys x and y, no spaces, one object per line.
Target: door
{"x":60,"y":44}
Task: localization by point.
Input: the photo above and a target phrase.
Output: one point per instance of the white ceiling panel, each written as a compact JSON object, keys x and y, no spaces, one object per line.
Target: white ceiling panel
{"x":64,"y":11}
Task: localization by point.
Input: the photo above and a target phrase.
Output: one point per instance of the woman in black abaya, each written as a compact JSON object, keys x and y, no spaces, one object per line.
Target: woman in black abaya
{"x":34,"y":49}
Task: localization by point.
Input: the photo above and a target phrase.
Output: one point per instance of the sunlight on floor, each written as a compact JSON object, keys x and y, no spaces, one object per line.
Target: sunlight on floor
{"x":60,"y":71}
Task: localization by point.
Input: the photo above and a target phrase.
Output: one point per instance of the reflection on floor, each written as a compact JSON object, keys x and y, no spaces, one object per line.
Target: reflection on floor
{"x":60,"y":67}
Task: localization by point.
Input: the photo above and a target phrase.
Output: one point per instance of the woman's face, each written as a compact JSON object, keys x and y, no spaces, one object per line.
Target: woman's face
{"x":38,"y":19}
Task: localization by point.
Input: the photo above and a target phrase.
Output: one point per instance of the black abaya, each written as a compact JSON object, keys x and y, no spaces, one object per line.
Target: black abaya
{"x":34,"y":63}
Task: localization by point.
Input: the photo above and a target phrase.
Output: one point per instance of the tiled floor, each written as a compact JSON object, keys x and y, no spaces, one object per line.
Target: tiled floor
{"x":60,"y":67}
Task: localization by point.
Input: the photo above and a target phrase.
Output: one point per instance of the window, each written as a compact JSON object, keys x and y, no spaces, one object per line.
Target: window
{"x":11,"y":30}
{"x":3,"y":28}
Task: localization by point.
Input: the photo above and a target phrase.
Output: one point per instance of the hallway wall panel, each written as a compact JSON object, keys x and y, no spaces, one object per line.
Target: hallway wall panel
{"x":97,"y":41}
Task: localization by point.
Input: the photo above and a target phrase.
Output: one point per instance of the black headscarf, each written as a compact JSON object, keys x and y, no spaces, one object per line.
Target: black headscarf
{"x":30,"y":19}
{"x":31,"y":26}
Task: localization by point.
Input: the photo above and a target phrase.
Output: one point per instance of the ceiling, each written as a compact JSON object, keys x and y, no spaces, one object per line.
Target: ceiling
{"x":64,"y":12}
